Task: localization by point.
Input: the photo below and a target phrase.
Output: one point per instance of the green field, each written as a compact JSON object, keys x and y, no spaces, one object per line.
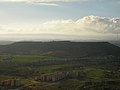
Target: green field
{"x":29,"y":58}
{"x":27,"y":67}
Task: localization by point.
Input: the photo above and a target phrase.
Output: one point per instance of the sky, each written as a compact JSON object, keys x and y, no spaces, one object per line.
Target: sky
{"x":59,"y":19}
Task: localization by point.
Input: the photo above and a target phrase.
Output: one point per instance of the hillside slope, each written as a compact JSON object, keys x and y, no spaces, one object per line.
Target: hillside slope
{"x":62,"y":48}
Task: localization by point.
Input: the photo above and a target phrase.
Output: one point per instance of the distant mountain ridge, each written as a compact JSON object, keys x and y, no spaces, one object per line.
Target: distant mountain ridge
{"x":62,"y":48}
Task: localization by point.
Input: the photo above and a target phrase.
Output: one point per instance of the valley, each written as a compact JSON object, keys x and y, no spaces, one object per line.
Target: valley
{"x":60,"y":66}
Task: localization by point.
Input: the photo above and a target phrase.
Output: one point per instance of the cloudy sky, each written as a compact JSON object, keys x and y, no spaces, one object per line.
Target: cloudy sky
{"x":59,"y":19}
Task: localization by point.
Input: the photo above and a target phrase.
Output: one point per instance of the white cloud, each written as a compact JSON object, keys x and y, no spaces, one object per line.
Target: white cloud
{"x":49,"y":1}
{"x":44,"y":1}
{"x":86,"y":25}
{"x":89,"y":25}
{"x":47,"y":4}
{"x":100,"y":24}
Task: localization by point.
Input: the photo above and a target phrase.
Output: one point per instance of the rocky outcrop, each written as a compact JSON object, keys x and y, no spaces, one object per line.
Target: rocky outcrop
{"x":52,"y":77}
{"x":11,"y":83}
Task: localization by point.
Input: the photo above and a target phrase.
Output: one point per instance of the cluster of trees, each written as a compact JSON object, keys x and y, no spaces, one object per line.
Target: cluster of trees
{"x":112,"y":74}
{"x":103,"y":85}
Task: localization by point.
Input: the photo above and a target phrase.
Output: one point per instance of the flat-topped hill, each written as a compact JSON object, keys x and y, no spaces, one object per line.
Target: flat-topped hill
{"x":62,"y":48}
